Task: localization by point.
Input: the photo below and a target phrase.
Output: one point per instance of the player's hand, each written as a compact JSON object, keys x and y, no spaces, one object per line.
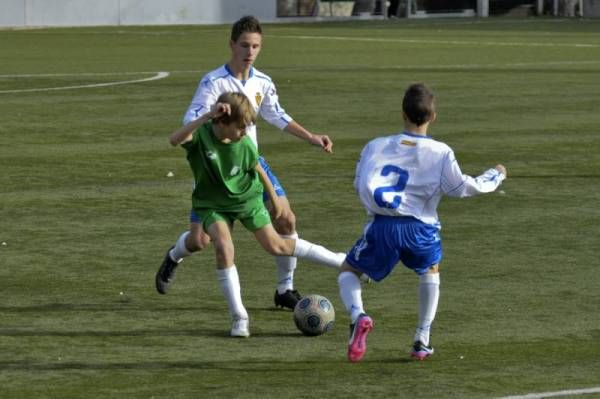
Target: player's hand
{"x":322,"y":141}
{"x":220,"y":109}
{"x":501,"y":169}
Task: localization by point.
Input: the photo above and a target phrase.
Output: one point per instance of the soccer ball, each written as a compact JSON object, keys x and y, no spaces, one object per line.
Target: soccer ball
{"x":314,"y":315}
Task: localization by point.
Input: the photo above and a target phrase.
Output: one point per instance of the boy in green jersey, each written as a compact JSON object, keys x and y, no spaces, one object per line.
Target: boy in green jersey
{"x":229,"y":185}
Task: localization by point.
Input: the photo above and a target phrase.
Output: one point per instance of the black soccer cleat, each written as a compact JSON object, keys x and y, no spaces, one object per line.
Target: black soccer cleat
{"x":165,"y":274}
{"x":288,"y":299}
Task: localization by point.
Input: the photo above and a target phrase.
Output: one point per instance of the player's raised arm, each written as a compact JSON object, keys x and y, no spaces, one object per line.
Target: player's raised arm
{"x":456,"y":184}
{"x":184,"y":133}
{"x":500,"y":168}
{"x":205,"y":95}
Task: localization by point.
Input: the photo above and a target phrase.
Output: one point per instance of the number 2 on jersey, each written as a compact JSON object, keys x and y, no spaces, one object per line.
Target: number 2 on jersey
{"x":396,"y":188}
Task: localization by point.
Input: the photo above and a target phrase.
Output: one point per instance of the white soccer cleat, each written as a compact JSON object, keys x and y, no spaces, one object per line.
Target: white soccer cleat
{"x":240,"y":328}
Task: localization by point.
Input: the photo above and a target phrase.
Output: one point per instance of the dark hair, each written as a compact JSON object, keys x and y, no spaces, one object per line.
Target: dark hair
{"x":245,"y":24}
{"x":242,"y":112}
{"x":418,"y":104}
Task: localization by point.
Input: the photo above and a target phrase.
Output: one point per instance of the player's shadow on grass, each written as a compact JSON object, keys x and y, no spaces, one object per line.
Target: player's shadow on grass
{"x":15,"y":332}
{"x":123,"y":305}
{"x":155,"y":332}
{"x":141,"y":332}
{"x":82,"y":366}
{"x":258,"y":366}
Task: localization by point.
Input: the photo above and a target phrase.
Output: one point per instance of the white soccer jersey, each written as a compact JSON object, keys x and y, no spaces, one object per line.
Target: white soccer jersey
{"x":259,"y":88}
{"x":407,"y":174}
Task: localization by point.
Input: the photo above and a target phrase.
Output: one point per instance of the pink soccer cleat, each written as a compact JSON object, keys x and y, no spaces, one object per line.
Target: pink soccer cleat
{"x":357,"y":345}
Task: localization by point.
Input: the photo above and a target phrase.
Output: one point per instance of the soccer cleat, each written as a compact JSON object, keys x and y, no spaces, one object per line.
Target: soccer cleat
{"x":421,"y":351}
{"x":166,"y":273}
{"x":288,"y":299}
{"x":240,"y":328}
{"x":357,"y":345}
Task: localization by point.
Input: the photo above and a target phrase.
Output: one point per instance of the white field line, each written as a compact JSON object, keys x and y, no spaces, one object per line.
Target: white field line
{"x":43,"y":75}
{"x":159,"y":75}
{"x":450,"y":42}
{"x":542,"y":395}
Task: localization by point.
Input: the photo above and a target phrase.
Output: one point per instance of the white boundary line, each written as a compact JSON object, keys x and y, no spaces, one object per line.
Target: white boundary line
{"x":35,"y":75}
{"x":450,"y":42}
{"x":159,"y":75}
{"x":555,"y":394}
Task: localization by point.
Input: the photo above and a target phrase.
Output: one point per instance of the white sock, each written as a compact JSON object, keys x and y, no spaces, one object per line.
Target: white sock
{"x":285,"y":269}
{"x":230,"y":286}
{"x":351,"y":293}
{"x":429,"y":295}
{"x":318,"y":254}
{"x":180,"y":251}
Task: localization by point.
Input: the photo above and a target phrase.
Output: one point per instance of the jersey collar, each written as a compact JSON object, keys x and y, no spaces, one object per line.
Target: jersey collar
{"x":417,"y":136}
{"x":250,"y":75}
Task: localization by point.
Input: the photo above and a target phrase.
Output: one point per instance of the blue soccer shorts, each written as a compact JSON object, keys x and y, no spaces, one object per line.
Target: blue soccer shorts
{"x":276,"y":185}
{"x":390,"y":239}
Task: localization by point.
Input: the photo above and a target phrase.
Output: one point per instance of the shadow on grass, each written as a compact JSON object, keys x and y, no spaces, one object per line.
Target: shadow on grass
{"x":123,"y":305}
{"x":15,"y":332}
{"x":245,"y":366}
{"x":128,"y":307}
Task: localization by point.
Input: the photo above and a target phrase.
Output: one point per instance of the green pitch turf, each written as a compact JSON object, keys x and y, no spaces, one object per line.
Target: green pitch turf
{"x":87,"y":212}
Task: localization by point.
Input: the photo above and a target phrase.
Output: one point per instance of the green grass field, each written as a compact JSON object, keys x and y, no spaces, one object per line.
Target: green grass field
{"x":87,"y":212}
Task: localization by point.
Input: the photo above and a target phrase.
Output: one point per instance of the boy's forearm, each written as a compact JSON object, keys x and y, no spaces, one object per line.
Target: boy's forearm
{"x":319,"y":140}
{"x":295,"y":129}
{"x":185,"y":132}
{"x":266,"y":182}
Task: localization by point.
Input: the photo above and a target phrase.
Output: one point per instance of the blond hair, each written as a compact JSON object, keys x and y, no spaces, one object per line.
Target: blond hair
{"x":242,"y":112}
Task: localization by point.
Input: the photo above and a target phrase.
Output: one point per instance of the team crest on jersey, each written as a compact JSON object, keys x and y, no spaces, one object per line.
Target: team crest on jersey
{"x":234,"y":171}
{"x":258,"y":98}
{"x":211,"y":155}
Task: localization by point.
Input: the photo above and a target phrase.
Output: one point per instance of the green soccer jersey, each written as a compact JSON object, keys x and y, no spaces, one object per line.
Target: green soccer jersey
{"x":224,"y":174}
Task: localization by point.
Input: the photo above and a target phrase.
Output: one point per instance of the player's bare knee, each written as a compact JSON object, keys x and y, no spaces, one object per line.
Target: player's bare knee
{"x":347,"y":268}
{"x":277,"y":247}
{"x":434,"y":269}
{"x":223,"y":245}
